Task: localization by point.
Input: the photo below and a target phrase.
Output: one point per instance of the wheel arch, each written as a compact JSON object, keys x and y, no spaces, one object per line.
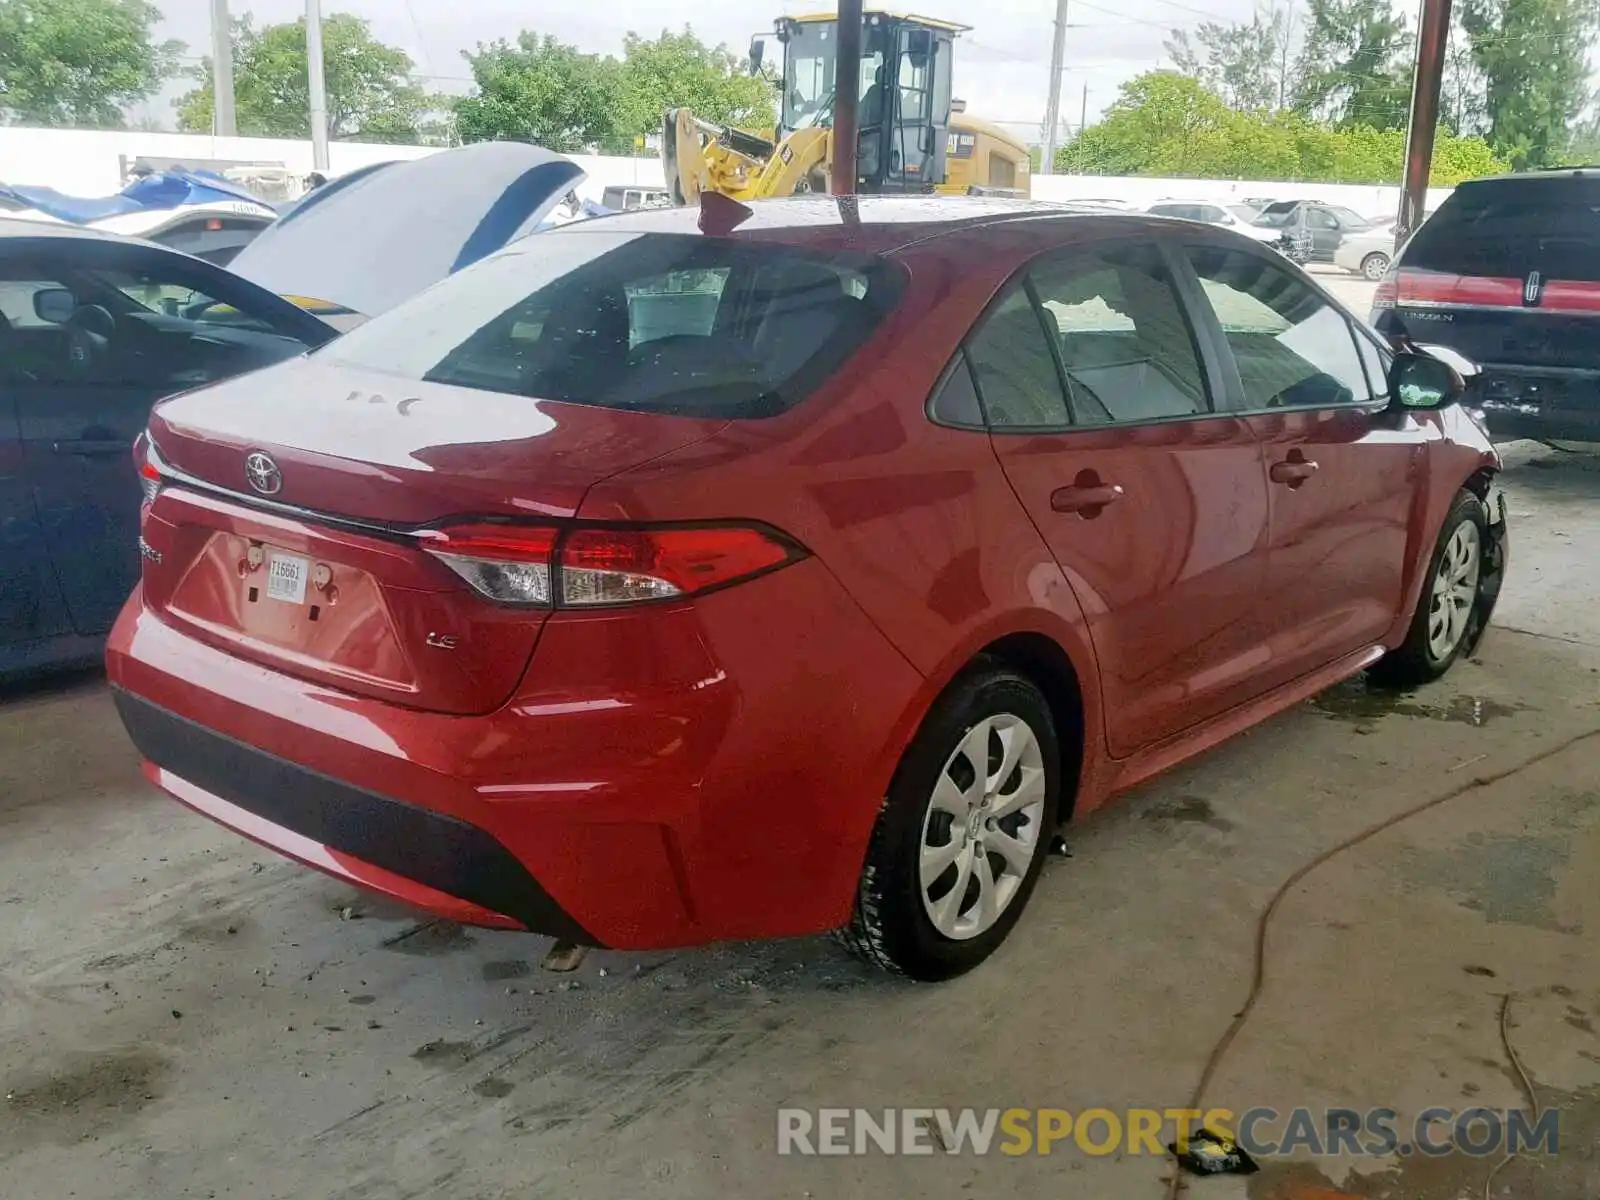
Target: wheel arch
{"x":1042,"y":660}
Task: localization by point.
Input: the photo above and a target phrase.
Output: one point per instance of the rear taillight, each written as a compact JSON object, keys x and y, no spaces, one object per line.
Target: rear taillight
{"x":583,"y":566}
{"x":149,"y":464}
{"x":507,"y":563}
{"x":1387,"y":294}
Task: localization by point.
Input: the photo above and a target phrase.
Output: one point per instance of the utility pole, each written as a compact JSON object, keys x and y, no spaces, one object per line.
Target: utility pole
{"x":1283,"y":57}
{"x":223,"y":120}
{"x":1433,"y":35}
{"x":318,"y":86}
{"x":1052,"y":104}
{"x":846,"y":98}
{"x":1083,"y":113}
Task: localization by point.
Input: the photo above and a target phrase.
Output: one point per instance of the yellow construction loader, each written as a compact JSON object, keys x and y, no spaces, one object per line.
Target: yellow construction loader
{"x":914,"y":137}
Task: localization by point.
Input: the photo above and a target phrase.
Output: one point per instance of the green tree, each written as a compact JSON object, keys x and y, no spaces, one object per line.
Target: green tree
{"x":1167,"y":124}
{"x":679,"y":70}
{"x":1533,"y":55}
{"x":1245,"y":64}
{"x":544,"y":91}
{"x":79,"y":62}
{"x":370,"y":95}
{"x":1355,"y":65}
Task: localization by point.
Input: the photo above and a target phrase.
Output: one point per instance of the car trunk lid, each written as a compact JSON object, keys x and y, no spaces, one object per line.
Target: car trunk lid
{"x":294,"y":512}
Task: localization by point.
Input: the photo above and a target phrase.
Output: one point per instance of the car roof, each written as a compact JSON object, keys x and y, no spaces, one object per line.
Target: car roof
{"x":1555,"y":173}
{"x":869,"y":224}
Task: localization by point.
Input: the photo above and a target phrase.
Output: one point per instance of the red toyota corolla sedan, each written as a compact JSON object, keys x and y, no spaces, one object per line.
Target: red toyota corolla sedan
{"x":793,"y":568}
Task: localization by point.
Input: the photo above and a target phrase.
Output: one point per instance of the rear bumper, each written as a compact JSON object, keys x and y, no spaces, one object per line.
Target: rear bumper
{"x":1524,"y":402}
{"x":709,"y":772}
{"x":422,"y":857}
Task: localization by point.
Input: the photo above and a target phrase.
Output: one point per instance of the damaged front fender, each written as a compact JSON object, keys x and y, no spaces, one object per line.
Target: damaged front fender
{"x":1496,"y":553}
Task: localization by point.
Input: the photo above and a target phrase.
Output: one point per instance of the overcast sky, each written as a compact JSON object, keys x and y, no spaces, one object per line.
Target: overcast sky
{"x":1001,"y":67}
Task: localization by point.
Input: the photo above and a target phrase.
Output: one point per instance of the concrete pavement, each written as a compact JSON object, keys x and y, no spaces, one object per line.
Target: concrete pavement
{"x":183,"y":1015}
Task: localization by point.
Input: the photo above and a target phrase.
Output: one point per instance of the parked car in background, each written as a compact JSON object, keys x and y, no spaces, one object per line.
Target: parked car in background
{"x":1317,"y":226}
{"x":532,"y":601}
{"x":1368,"y":254}
{"x":94,"y":328}
{"x":1211,"y":214}
{"x":1507,"y":272}
{"x":626,"y":198}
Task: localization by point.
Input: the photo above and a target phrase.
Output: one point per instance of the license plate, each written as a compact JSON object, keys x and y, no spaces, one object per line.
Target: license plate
{"x":286,"y":578}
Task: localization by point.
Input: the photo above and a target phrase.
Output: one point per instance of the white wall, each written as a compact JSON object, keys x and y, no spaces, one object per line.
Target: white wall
{"x":1368,"y":201}
{"x":88,"y":163}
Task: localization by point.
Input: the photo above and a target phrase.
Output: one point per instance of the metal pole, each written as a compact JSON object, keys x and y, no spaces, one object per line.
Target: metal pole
{"x":223,"y":120}
{"x":318,"y":86}
{"x":846,"y":98}
{"x":1083,"y":113}
{"x":1433,"y":35}
{"x":1052,"y":104}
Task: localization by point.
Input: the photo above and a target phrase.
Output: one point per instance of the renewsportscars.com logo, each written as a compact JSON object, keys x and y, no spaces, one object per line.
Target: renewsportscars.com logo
{"x":1260,"y":1132}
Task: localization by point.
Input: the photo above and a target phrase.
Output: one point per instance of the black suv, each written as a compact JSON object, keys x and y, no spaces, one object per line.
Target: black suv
{"x":1507,"y":273}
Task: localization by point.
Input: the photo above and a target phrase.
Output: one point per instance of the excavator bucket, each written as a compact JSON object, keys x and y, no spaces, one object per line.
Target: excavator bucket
{"x":683,"y":160}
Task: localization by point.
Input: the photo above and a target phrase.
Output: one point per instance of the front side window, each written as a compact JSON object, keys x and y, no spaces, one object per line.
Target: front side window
{"x":655,"y":322}
{"x":1293,"y":348}
{"x":1123,"y":337}
{"x":141,"y":326}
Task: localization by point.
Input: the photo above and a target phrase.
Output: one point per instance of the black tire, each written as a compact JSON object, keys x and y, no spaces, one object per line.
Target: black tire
{"x":1374,"y":265}
{"x":891,"y":928}
{"x":1415,"y":661}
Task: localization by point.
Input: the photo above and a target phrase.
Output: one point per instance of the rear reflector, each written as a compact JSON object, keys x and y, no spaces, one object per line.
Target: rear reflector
{"x":583,"y":567}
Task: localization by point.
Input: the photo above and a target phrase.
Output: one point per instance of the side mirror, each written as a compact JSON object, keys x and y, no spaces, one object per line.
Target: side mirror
{"x":758,"y":50}
{"x":54,"y":305}
{"x":1420,"y":383}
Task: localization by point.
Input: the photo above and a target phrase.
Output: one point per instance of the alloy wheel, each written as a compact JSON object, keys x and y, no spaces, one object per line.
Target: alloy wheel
{"x":983,"y":826}
{"x":1455,"y":590}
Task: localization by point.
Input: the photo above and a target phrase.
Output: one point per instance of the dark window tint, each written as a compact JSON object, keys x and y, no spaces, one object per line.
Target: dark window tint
{"x":956,"y":400}
{"x":1293,"y":348}
{"x":148,"y":327}
{"x":664,"y":323}
{"x":1349,"y":218}
{"x":1015,"y":371}
{"x":1124,"y":340}
{"x":1320,"y":219}
{"x":1509,"y":228}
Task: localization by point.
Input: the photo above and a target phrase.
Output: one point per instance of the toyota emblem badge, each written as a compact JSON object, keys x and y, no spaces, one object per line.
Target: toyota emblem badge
{"x":263,"y":474}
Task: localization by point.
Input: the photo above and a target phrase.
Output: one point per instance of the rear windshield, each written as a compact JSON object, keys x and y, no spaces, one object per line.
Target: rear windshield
{"x":1508,"y":230}
{"x":664,"y":323}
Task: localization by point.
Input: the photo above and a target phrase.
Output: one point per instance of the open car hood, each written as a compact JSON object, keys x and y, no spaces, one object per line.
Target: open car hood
{"x":369,"y":240}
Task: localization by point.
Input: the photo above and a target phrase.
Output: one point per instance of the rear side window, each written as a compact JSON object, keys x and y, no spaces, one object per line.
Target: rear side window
{"x":1014,"y":368}
{"x":665,"y":323}
{"x":1508,"y":228}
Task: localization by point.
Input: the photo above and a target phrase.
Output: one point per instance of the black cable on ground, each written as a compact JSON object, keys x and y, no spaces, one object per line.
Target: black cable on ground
{"x":1259,"y":971}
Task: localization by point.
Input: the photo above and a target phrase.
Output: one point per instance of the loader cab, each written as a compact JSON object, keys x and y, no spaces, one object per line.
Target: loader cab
{"x":904,"y":119}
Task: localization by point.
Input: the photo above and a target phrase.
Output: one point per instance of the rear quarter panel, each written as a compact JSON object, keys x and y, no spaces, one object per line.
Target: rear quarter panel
{"x":916,"y":521}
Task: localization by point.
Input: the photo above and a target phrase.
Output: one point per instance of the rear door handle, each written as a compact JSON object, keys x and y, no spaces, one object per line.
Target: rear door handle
{"x":1293,"y":471}
{"x":1086,"y":499}
{"x":93,"y":447}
